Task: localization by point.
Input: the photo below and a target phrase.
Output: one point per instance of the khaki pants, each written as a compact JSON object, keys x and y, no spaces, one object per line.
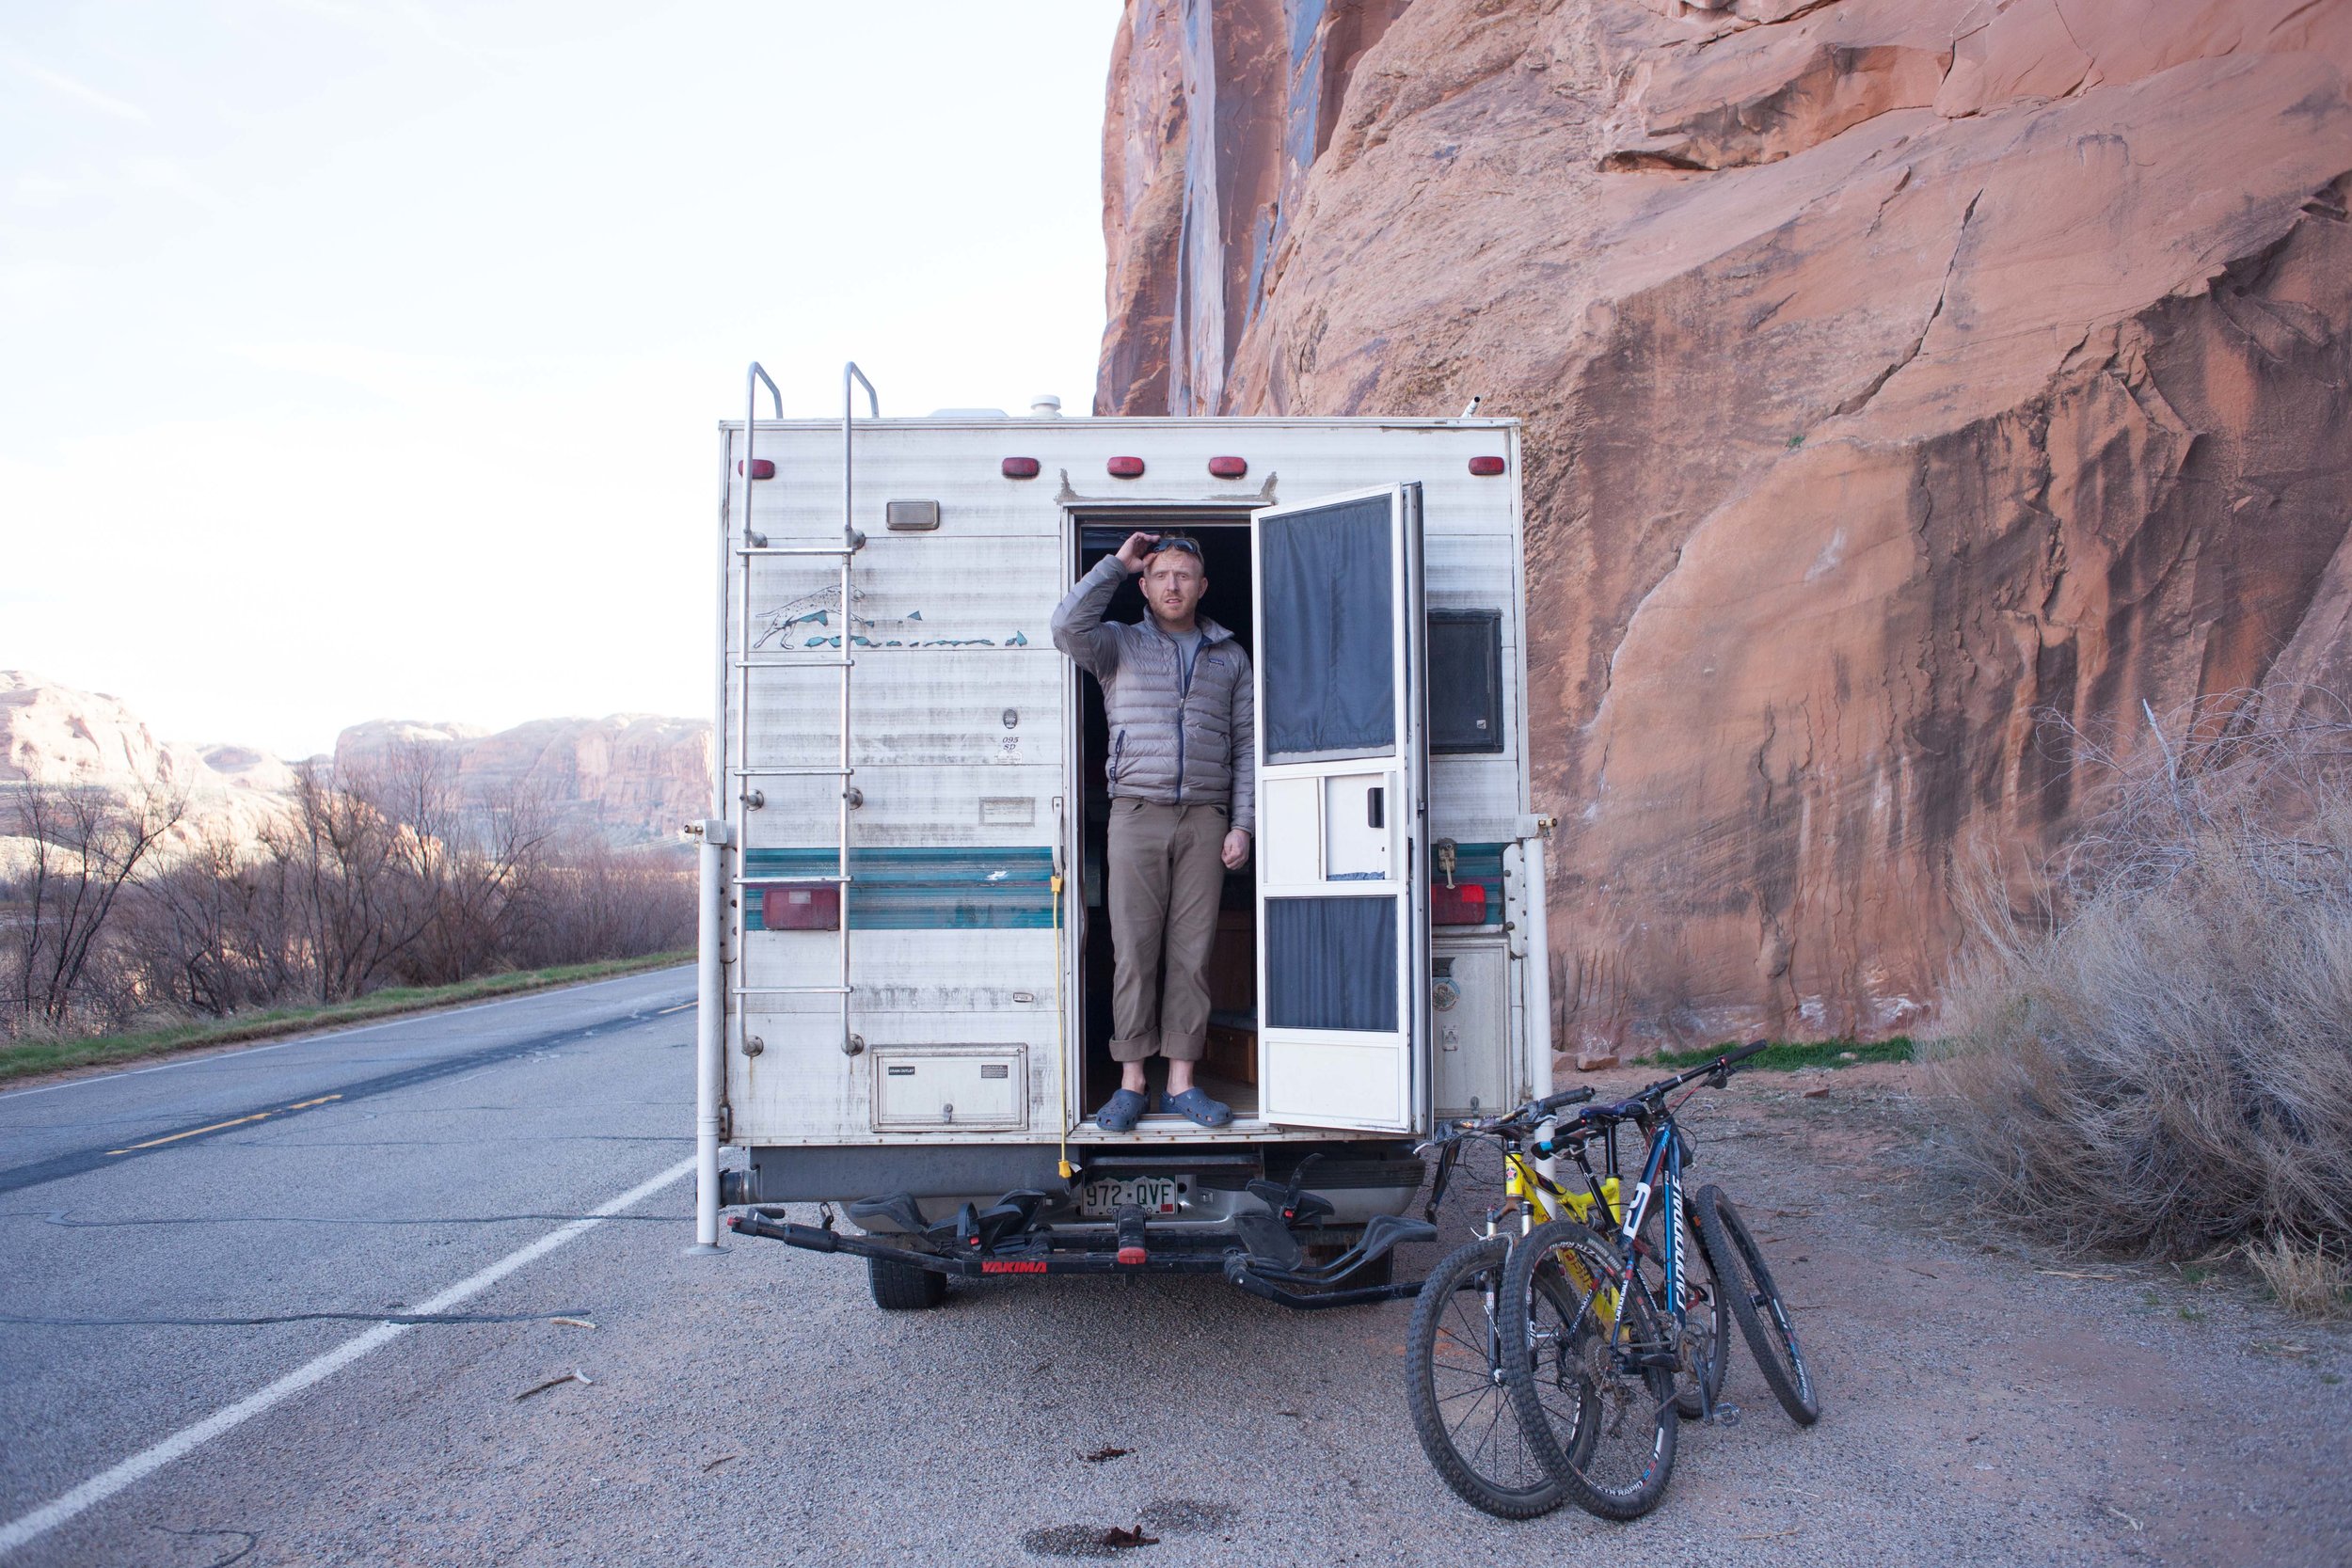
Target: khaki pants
{"x":1166,"y":876}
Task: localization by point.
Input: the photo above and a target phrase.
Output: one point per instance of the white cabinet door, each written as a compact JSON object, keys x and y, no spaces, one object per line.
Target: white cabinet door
{"x":1343,"y":771}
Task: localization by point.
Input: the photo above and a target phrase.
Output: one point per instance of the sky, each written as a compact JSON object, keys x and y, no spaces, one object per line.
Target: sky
{"x":361,"y":358}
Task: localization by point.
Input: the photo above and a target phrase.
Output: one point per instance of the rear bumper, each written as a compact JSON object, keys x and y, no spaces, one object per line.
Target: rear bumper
{"x":1363,"y":1179}
{"x":1217,"y":1253}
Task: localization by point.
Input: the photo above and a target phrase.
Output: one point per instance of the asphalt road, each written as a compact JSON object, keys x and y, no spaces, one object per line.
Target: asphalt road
{"x":175,"y":1390}
{"x":180,"y":1238}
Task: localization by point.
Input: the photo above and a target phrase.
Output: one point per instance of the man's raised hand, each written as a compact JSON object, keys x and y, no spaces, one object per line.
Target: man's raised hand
{"x":1132,"y":553}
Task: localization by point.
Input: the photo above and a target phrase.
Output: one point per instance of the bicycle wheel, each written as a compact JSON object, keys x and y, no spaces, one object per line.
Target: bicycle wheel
{"x":1748,"y":1285}
{"x":1454,"y":1388}
{"x":1703,"y":1331}
{"x":1591,"y":1372}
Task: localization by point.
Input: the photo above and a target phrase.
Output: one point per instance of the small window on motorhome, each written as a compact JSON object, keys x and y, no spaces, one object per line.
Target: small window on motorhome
{"x":1465,"y":680}
{"x":1327,"y":638}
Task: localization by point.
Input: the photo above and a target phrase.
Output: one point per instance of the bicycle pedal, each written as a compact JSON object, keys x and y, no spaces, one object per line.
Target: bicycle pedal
{"x":1723,"y":1415}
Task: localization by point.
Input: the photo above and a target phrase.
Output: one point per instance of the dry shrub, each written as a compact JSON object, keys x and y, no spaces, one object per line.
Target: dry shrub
{"x":2155,"y":1054}
{"x":2308,"y":1279}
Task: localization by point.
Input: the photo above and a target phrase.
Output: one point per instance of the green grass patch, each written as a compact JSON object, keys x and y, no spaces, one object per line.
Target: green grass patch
{"x":1789,"y":1055}
{"x":26,"y":1059}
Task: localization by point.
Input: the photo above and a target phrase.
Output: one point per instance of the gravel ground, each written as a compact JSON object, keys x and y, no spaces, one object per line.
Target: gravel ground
{"x":1985,"y":1404}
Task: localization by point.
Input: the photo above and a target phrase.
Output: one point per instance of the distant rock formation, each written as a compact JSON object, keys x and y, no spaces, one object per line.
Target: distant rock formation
{"x":1894,"y":371}
{"x":55,"y":734}
{"x":631,"y":777}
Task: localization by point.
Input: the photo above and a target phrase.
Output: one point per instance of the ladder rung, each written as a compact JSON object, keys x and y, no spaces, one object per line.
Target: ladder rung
{"x":789,"y":772}
{"x":793,"y":991}
{"x":794,"y":550}
{"x":785,"y":881}
{"x":792,"y":663}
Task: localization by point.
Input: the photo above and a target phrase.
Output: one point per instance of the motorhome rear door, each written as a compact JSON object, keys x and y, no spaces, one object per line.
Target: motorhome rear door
{"x":1343,"y":908}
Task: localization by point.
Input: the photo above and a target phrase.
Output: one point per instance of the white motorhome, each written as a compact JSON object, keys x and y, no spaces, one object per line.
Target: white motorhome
{"x":906,"y":954}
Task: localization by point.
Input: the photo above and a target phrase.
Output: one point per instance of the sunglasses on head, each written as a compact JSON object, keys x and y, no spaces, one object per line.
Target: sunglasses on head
{"x":1176,"y":541}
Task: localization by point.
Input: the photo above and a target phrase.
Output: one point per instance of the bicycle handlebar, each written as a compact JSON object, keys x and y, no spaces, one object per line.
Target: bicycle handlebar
{"x":1723,"y":1062}
{"x":1639,"y":1101}
{"x":1527,"y":1116}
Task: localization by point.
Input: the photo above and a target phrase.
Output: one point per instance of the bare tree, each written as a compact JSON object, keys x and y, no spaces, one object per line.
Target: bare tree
{"x":485,"y":870}
{"x":214,"y":931}
{"x":88,"y":843}
{"x":353,"y":870}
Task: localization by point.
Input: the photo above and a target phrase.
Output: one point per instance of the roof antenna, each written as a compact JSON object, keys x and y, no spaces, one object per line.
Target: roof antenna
{"x":1474,"y":406}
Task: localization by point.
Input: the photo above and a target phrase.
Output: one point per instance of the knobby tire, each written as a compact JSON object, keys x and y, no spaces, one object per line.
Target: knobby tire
{"x":1559,"y":1361}
{"x":1461,"y":1406}
{"x":1756,"y":1300}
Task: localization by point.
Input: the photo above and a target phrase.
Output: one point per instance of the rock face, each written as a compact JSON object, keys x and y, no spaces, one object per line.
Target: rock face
{"x":54,"y":734}
{"x":1897,"y":374}
{"x":630,"y":777}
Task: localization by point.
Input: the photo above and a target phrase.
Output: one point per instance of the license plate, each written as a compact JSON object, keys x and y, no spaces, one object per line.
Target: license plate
{"x":1153,"y":1195}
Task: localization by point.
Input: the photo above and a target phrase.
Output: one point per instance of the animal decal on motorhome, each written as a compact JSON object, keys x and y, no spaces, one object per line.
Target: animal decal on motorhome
{"x":817,"y":608}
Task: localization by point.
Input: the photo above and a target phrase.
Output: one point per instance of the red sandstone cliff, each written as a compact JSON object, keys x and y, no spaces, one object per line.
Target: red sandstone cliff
{"x":1895,"y":372}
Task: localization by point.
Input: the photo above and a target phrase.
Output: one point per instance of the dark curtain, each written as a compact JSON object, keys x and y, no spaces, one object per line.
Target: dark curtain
{"x":1331,"y":963}
{"x":1326,"y":642}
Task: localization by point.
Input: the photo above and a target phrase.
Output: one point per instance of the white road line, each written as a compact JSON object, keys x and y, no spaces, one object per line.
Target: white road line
{"x":189,"y":1440}
{"x":333,"y":1034}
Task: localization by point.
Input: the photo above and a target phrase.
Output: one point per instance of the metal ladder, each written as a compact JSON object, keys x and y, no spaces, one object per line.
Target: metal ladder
{"x":749,"y":545}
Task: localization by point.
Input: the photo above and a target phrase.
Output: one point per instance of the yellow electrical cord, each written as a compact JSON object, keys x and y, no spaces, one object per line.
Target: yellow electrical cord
{"x":1061,"y":1036}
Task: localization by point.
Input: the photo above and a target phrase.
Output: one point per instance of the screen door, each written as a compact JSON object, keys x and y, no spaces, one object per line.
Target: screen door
{"x":1341,"y":749}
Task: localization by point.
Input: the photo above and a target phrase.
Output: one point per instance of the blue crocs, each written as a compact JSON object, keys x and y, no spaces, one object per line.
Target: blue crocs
{"x":1119,"y":1112}
{"x":1196,"y":1106}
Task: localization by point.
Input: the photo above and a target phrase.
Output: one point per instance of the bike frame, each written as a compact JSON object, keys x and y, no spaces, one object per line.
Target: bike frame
{"x":1525,"y":1184}
{"x":1661,"y":1184}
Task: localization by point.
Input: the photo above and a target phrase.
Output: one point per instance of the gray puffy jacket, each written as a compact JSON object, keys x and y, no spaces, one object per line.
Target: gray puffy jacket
{"x":1209,"y":755}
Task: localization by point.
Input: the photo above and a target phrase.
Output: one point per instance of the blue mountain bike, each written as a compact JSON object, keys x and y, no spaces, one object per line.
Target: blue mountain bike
{"x":1610,"y":1337}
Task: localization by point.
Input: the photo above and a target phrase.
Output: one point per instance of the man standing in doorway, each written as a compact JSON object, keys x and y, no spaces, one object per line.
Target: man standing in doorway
{"x":1182,"y":780}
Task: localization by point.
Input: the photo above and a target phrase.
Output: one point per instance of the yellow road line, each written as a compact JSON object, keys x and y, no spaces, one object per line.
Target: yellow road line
{"x":233,"y":1121}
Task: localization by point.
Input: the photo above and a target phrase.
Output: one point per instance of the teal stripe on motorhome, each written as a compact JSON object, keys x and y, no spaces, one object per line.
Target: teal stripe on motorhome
{"x":1002,"y":889}
{"x":911,"y":890}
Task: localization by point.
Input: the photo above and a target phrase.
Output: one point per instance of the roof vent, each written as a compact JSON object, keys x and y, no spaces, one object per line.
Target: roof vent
{"x":1045,"y":406}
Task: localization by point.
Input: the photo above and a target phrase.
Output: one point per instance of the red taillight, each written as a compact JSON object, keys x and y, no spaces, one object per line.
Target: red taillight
{"x":1020,"y":467}
{"x":1228,"y":468}
{"x":761,"y":468}
{"x":1486,"y":467}
{"x":1125,"y":468}
{"x":1464,"y":905}
{"x":808,"y":907}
